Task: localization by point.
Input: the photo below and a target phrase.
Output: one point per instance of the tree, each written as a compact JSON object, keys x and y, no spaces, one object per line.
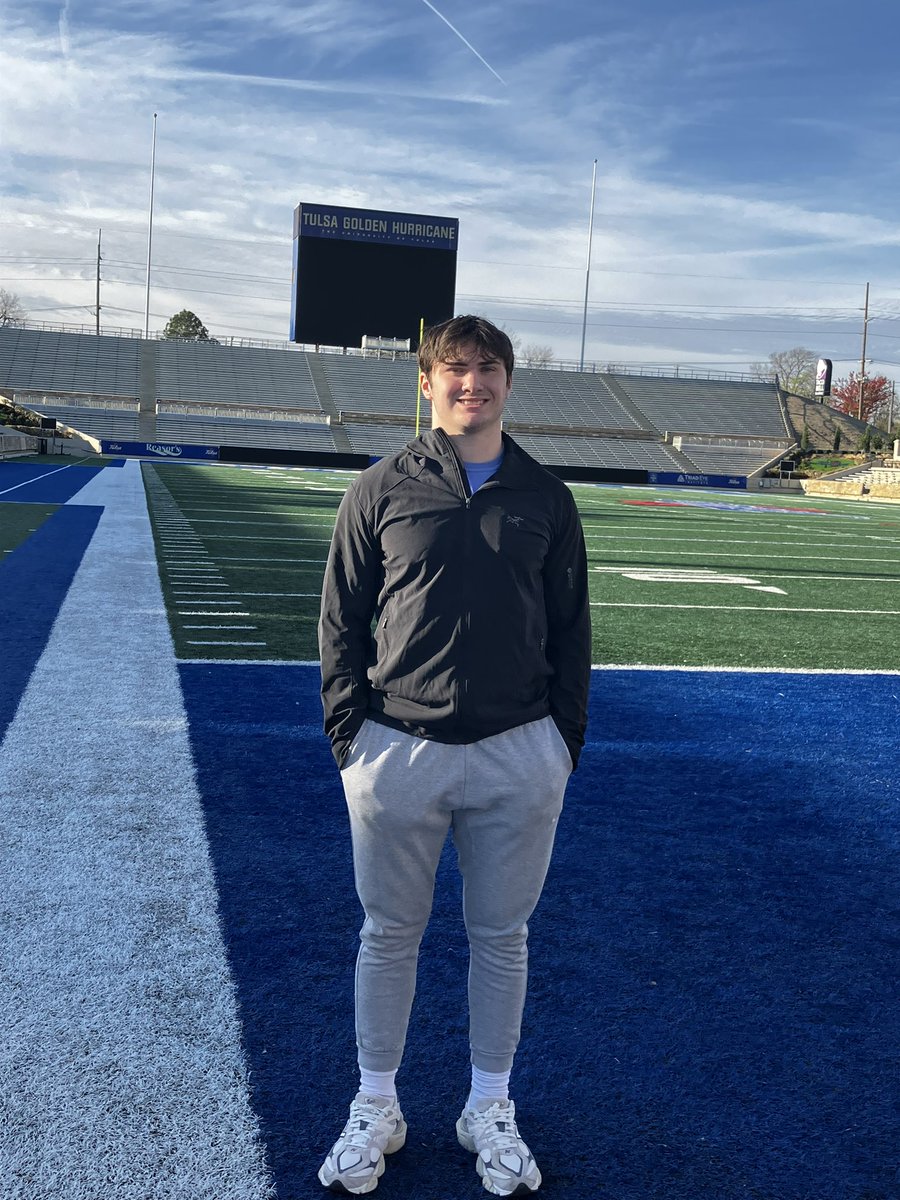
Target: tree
{"x":187,"y":326}
{"x":534,"y":355}
{"x":530,"y":354}
{"x":876,"y":397}
{"x":795,"y":368}
{"x":11,"y":310}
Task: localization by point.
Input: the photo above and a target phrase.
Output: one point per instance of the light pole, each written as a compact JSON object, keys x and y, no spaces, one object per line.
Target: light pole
{"x":862,"y":365}
{"x":587,"y":273}
{"x":150,"y":232}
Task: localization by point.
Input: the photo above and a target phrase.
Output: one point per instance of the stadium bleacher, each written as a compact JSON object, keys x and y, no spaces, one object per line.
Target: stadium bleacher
{"x":618,"y":453}
{"x":96,"y":422}
{"x":706,"y":406}
{"x":35,"y":360}
{"x":230,"y":431}
{"x":542,"y":397}
{"x":371,"y":385}
{"x":262,"y":397}
{"x":206,"y":373}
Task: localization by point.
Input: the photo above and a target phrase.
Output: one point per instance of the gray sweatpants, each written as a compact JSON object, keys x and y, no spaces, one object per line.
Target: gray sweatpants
{"x":501,"y":797}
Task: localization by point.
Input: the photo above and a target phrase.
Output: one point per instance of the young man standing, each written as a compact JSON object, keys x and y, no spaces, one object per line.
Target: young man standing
{"x":455,"y":645}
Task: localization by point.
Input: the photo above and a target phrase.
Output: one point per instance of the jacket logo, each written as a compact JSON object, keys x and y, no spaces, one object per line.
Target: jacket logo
{"x":517,"y":521}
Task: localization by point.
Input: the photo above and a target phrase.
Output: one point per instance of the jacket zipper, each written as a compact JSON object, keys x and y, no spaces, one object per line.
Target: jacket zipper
{"x":467,"y":614}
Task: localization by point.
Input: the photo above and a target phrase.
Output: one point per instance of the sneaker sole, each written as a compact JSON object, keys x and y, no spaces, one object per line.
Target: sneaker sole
{"x":335,"y":1184}
{"x":468,"y":1143}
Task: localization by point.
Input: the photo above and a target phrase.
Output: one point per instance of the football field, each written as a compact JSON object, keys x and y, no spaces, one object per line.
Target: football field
{"x":713,"y":1000}
{"x":678,"y":578}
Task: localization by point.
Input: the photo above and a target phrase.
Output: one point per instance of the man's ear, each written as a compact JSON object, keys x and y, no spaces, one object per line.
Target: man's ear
{"x":425,"y":385}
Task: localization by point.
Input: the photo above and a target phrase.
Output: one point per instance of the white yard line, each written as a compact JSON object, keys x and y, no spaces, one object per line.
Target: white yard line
{"x":114,"y":926}
{"x":717,"y":541}
{"x":741,"y":670}
{"x":812,"y":558}
{"x":760,"y":608}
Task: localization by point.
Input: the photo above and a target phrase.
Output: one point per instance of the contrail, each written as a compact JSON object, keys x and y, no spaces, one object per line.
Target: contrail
{"x":463,"y":40}
{"x":64,"y":43}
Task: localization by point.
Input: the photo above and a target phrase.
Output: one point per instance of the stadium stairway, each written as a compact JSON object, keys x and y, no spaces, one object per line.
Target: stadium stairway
{"x":323,"y":390}
{"x":147,"y":391}
{"x":632,"y":409}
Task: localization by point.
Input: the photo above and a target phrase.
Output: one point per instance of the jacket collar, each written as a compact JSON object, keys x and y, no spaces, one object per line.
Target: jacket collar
{"x":516,"y":470}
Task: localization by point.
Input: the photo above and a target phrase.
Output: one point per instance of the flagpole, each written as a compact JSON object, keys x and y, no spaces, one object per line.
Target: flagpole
{"x":150,"y":232}
{"x":587,"y":273}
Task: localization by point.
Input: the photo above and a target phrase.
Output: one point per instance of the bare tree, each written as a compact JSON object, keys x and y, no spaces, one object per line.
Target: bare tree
{"x":12,"y":311}
{"x":534,"y":355}
{"x":795,"y":368}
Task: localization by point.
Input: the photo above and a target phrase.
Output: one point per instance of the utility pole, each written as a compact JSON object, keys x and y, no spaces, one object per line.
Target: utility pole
{"x":862,"y":365}
{"x":99,"y":234}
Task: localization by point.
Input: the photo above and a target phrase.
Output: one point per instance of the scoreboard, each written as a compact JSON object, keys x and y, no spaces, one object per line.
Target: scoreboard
{"x":361,"y":272}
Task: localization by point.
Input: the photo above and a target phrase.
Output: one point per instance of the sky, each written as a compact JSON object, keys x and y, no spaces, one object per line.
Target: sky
{"x":747,"y":180}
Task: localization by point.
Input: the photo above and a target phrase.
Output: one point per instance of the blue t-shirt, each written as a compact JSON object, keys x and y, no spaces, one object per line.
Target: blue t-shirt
{"x":479,"y":473}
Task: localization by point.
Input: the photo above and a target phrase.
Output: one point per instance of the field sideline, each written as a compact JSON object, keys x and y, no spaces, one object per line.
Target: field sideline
{"x":713,"y":1005}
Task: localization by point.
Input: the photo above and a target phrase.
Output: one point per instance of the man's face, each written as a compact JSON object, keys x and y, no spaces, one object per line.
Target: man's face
{"x":467,"y":392}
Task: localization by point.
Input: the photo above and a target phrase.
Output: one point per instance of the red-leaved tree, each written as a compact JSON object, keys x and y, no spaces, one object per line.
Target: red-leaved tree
{"x":876,"y":397}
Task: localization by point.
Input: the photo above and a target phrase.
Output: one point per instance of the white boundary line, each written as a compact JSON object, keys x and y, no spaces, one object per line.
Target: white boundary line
{"x":708,"y":670}
{"x":762,"y":608}
{"x":744,"y":670}
{"x":46,"y":475}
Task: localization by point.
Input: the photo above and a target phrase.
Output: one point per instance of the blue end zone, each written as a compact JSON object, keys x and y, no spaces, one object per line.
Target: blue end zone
{"x":34,"y":580}
{"x":712,"y":1008}
{"x":30,"y":483}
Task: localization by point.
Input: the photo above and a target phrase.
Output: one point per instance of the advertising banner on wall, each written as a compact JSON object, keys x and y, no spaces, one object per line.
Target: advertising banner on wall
{"x":690,"y":479}
{"x":160,"y":450}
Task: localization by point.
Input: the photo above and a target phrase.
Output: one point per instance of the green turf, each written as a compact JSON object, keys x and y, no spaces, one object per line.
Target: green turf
{"x":672,"y":582}
{"x":19,"y":521}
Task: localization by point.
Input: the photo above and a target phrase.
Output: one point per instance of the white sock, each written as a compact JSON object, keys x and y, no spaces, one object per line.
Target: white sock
{"x":487,"y":1085}
{"x":378,"y":1083}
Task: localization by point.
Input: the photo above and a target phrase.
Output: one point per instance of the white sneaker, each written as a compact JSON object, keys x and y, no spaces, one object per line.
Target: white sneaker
{"x":505,"y":1163}
{"x":356,"y":1162}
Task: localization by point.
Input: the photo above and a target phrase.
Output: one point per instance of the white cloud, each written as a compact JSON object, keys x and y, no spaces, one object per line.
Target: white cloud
{"x":264,"y":105}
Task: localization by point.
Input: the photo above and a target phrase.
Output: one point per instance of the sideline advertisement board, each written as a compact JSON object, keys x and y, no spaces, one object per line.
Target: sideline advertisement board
{"x":692,"y":479}
{"x":160,"y":450}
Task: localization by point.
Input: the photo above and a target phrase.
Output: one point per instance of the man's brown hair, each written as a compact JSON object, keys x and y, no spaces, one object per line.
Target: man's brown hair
{"x":443,"y":343}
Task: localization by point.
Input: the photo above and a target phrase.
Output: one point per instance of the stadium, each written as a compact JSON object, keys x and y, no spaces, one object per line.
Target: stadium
{"x":714,"y":956}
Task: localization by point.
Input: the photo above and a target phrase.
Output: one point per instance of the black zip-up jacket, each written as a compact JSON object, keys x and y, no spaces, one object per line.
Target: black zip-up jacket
{"x":450,"y":615}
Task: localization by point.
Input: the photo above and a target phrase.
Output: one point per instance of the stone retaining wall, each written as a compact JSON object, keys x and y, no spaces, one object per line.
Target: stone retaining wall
{"x":850,"y":489}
